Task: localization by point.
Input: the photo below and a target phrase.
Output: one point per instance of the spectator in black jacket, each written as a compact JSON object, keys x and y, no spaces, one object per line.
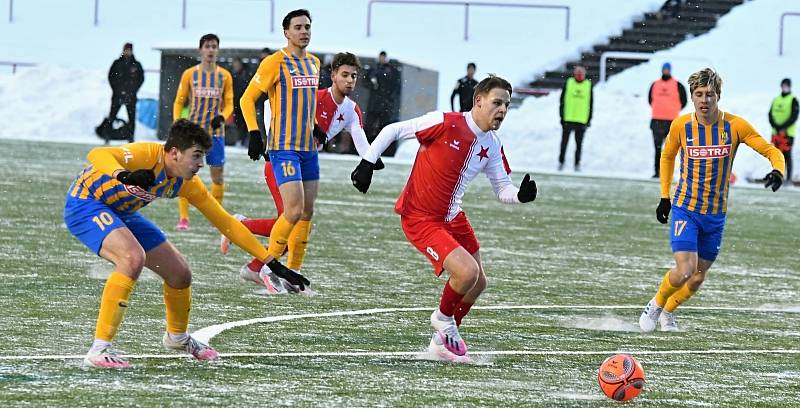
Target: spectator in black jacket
{"x":126,"y":77}
{"x":241,"y":77}
{"x":465,"y":88}
{"x":383,"y":80}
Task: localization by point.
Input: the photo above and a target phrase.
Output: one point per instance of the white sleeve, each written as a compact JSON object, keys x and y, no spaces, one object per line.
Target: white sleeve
{"x":359,"y":138}
{"x":497,"y":174}
{"x":401,"y":130}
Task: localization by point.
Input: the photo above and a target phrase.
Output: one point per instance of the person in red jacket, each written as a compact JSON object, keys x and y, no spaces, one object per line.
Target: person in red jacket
{"x":667,"y":97}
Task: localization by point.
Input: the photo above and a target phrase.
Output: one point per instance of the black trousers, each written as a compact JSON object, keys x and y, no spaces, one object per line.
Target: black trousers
{"x":374,"y":122}
{"x":241,"y":126}
{"x":117,"y":100}
{"x":567,"y":128}
{"x":788,"y":157}
{"x":660,"y":130}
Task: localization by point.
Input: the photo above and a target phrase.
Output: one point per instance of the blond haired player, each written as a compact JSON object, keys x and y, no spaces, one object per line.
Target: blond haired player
{"x":707,"y":141}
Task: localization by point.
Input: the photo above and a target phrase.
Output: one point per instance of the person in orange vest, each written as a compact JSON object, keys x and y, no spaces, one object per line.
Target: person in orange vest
{"x":667,"y":97}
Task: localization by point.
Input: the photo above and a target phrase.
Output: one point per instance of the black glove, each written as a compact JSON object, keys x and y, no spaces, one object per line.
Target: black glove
{"x":255,"y":149}
{"x":362,"y":176}
{"x":291,"y":276}
{"x":378,"y":165}
{"x":527,"y":190}
{"x":320,"y":135}
{"x":141,"y":178}
{"x":217,"y":122}
{"x":662,"y":212}
{"x":774,"y":179}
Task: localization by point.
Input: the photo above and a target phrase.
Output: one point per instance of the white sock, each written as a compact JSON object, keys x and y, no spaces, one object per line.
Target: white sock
{"x":179,"y":338}
{"x":98,"y":345}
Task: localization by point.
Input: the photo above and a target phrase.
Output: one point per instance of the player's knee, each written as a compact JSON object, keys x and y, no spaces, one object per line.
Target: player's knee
{"x":293,"y":213}
{"x":470,"y":273}
{"x":481,"y":283}
{"x":696,"y":280}
{"x":131,"y":263}
{"x":182,"y":278}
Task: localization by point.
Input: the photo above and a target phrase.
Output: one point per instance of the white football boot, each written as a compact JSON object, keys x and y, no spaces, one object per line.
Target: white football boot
{"x":649,"y":317}
{"x":190,"y":345}
{"x":247,"y":275}
{"x":105,"y":357}
{"x":447,"y":334}
{"x":667,"y":322}
{"x":272,"y":282}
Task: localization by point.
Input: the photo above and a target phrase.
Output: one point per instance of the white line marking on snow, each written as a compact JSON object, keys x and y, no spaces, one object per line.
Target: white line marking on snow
{"x":418,"y":352}
{"x":207,"y":333}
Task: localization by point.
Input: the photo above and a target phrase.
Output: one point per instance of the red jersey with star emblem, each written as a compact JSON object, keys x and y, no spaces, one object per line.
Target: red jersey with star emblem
{"x":453,"y":150}
{"x":333,"y":118}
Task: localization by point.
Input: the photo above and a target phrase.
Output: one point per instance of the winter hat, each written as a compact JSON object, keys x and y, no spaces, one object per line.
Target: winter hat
{"x":786,"y":81}
{"x":127,"y":46}
{"x":667,"y":66}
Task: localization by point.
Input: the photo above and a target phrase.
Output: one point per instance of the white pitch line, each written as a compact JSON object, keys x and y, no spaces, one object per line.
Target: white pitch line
{"x":418,"y":353}
{"x":207,"y":333}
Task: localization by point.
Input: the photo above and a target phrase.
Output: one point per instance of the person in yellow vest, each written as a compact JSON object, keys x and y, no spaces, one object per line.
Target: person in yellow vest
{"x":783,"y":117}
{"x":208,"y":89}
{"x":667,"y":97}
{"x":576,"y":112}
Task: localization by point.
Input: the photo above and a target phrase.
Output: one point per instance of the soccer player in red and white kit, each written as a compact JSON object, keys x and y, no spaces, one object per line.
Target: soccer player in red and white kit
{"x":454,"y":148}
{"x":335,"y":112}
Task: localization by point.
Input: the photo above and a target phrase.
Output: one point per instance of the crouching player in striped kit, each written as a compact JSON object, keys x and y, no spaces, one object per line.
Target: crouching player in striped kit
{"x":707,"y":141}
{"x":101,"y":210}
{"x":454,"y":148}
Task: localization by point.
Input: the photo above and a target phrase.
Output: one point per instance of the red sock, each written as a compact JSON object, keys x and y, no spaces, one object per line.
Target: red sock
{"x":450,"y":299}
{"x":255,"y":265}
{"x":461,"y":310}
{"x":259,"y":226}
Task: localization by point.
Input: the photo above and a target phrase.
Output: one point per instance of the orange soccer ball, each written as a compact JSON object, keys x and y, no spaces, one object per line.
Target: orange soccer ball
{"x":621,"y":377}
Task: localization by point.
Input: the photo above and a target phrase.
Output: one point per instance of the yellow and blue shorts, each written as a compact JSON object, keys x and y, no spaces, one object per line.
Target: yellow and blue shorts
{"x":693,"y":232}
{"x":215,"y":157}
{"x":91,"y":221}
{"x":292,"y":165}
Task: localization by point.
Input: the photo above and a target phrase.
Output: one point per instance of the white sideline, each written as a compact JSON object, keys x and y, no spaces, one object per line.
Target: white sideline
{"x":207,"y":333}
{"x":418,"y":352}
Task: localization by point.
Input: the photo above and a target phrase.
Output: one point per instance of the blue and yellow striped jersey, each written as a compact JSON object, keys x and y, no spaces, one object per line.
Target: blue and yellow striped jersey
{"x":706,"y":159}
{"x":210,"y":93}
{"x":95,"y":182}
{"x":291,"y":86}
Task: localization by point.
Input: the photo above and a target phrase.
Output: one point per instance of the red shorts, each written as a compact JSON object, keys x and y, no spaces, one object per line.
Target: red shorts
{"x":436,"y":239}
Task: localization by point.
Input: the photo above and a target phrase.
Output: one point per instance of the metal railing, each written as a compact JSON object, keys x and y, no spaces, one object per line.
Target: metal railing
{"x":780,"y":39}
{"x":643,"y":56}
{"x":15,"y":64}
{"x":183,"y":13}
{"x":467,"y":4}
{"x":271,"y":15}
